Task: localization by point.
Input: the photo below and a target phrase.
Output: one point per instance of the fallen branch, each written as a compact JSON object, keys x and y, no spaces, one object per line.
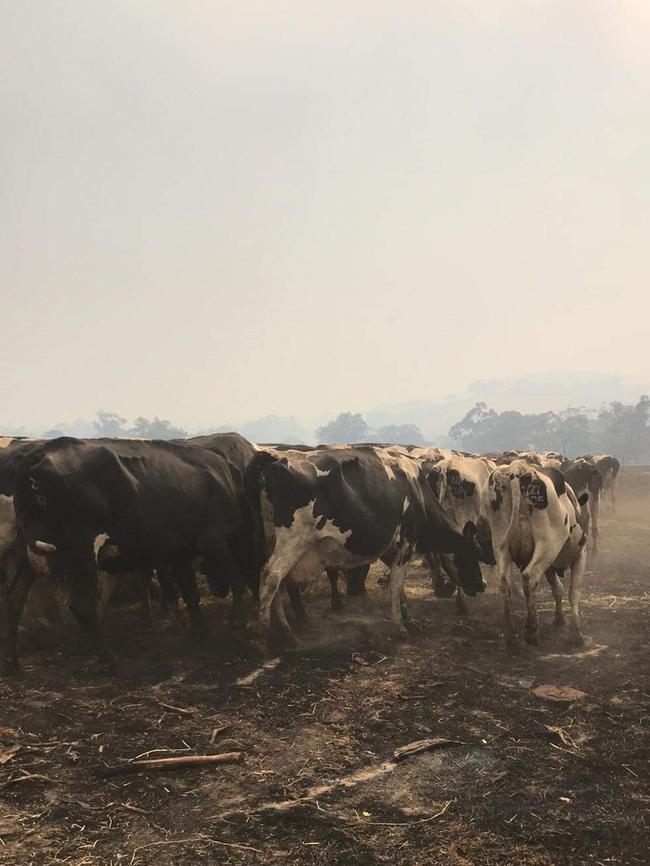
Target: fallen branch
{"x":183,"y":711}
{"x":217,"y":731}
{"x":189,"y":840}
{"x":180,"y":763}
{"x":423,"y":746}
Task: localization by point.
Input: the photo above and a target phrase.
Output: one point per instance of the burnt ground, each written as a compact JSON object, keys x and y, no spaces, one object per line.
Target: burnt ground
{"x":531,"y":781}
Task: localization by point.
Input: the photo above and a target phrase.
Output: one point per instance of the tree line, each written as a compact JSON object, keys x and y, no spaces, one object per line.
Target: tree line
{"x":618,"y":428}
{"x":621,"y":429}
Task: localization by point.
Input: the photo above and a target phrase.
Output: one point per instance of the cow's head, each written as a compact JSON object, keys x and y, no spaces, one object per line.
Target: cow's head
{"x":467,"y":562}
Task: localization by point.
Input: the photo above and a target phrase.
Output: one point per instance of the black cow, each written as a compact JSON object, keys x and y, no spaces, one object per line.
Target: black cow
{"x":341,"y":508}
{"x":584,"y":477}
{"x":159,"y":504}
{"x":16,"y":575}
{"x":608,"y":467}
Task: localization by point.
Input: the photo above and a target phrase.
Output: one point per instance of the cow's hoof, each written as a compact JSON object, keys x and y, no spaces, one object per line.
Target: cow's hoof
{"x":282,"y":642}
{"x":559,"y":620}
{"x":302,"y":623}
{"x":413,"y":627}
{"x":512,"y":645}
{"x":532,"y":638}
{"x":338,"y":606}
{"x":576,"y":640}
{"x":12,"y":667}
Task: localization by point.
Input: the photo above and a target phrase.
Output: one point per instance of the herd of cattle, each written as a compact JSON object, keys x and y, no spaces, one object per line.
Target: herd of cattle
{"x":270,"y":519}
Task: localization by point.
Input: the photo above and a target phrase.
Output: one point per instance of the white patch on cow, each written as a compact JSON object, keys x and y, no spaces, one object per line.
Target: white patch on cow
{"x":320,"y":472}
{"x":98,"y":543}
{"x":5,"y":441}
{"x":266,"y":513}
{"x":305,"y":527}
{"x":388,"y":469}
{"x":406,"y":505}
{"x":8,"y":530}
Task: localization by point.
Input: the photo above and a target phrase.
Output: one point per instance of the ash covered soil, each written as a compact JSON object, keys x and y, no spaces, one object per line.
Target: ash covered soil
{"x":529,"y":780}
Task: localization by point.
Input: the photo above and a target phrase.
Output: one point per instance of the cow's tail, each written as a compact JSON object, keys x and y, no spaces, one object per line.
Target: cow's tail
{"x":442,"y":489}
{"x":254,"y":477}
{"x":515,"y":493}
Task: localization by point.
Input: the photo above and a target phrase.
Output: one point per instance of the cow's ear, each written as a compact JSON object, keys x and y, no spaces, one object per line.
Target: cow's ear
{"x":583,"y":499}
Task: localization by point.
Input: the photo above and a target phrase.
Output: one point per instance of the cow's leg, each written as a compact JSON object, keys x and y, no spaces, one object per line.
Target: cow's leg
{"x":280,"y":563}
{"x":398,"y":610}
{"x":143,"y":586}
{"x":355,"y":579}
{"x":106,"y":586}
{"x":184,"y":577}
{"x":612,"y":492}
{"x":461,"y":603}
{"x":575,"y":591}
{"x":286,"y":635}
{"x":295,"y":597}
{"x":169,"y":599}
{"x":17,"y":582}
{"x":544,"y":554}
{"x":453,"y":580}
{"x":558,"y":594}
{"x":504,"y":570}
{"x":336,"y":600}
{"x":594,"y":506}
{"x":83,"y":604}
{"x":442,"y":585}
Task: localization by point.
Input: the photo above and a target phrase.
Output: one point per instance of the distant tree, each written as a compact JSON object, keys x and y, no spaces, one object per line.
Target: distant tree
{"x":572,"y":432}
{"x":110,"y":425}
{"x":159,"y":428}
{"x":622,"y":429}
{"x":484,"y":430}
{"x":400,"y":434}
{"x":346,"y":427}
{"x":54,"y":433}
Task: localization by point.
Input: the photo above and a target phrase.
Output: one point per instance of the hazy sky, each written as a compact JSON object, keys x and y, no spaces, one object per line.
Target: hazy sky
{"x":211,"y":211}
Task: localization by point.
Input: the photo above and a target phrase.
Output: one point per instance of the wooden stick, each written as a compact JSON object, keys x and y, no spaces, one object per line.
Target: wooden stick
{"x":180,"y":763}
{"x":423,"y":746}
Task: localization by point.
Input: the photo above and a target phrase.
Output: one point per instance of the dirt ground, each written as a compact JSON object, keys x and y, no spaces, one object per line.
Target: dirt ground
{"x":528,"y":780}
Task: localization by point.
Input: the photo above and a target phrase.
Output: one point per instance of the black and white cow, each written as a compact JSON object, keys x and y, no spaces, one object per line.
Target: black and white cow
{"x":458,"y":482}
{"x":608,"y":467}
{"x":159,"y":505}
{"x":347,"y":507}
{"x":584,"y":477}
{"x":540,"y":526}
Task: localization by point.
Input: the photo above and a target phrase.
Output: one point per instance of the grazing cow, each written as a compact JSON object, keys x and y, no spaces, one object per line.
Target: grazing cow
{"x":540,"y":526}
{"x":609,"y":468}
{"x":584,"y":477}
{"x":342,"y":508}
{"x":458,"y":482}
{"x":159,"y":505}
